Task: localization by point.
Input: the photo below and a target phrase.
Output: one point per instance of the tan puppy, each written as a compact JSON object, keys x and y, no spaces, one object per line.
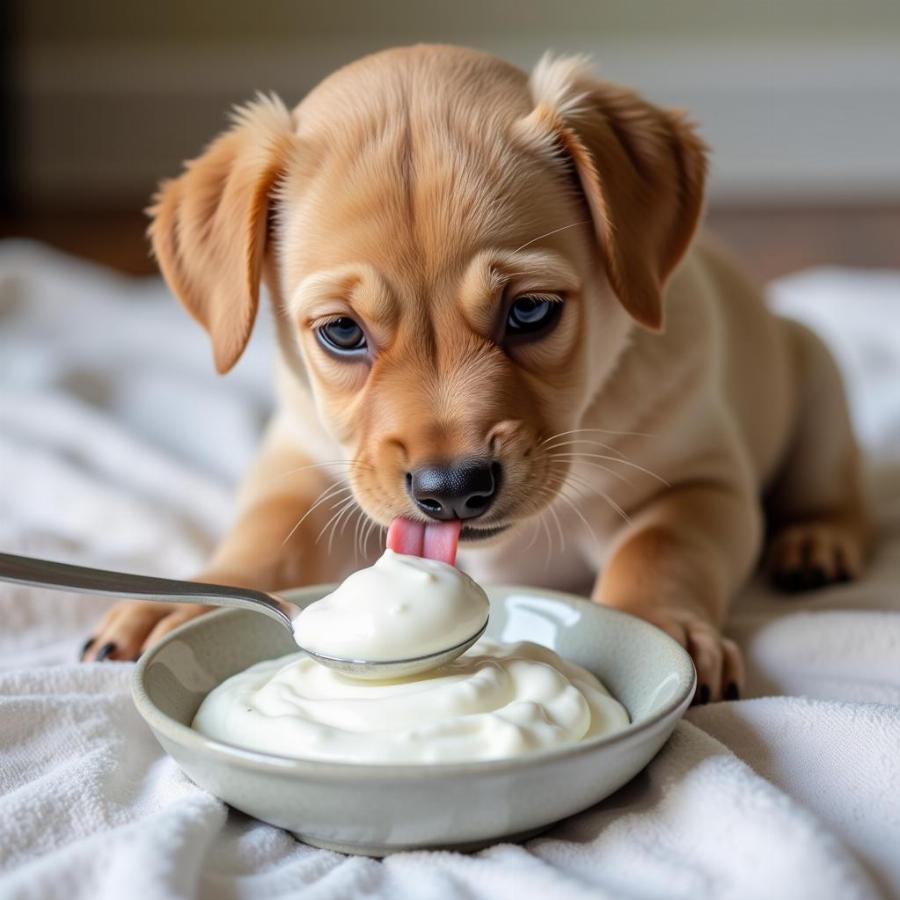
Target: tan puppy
{"x":491,"y":315}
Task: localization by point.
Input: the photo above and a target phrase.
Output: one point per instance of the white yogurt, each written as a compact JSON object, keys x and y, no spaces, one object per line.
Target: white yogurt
{"x":496,"y":701}
{"x":399,"y":608}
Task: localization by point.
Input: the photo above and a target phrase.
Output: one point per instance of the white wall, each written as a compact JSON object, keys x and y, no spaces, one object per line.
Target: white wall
{"x":800,"y":99}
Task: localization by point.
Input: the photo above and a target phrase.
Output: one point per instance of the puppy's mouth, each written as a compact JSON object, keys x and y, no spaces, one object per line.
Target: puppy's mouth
{"x":435,"y":540}
{"x":471,"y":533}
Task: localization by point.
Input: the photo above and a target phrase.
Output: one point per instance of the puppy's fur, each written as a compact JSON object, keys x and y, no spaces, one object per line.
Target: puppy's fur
{"x":419,"y":190}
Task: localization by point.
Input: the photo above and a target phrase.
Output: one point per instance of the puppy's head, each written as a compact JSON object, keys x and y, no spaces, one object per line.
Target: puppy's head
{"x":457,"y":254}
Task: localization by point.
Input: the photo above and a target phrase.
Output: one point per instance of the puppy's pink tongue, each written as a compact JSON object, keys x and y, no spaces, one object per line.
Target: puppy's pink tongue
{"x":435,"y":540}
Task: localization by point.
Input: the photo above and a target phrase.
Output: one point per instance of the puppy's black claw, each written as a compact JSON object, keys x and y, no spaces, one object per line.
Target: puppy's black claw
{"x":105,"y":651}
{"x":701,"y":697}
{"x":794,"y":581}
{"x":791,"y":581}
{"x":86,"y":646}
{"x":816,"y":577}
{"x":732,"y":692}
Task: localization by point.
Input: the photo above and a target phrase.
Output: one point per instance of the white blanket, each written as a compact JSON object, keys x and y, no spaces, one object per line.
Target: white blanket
{"x":120,"y":448}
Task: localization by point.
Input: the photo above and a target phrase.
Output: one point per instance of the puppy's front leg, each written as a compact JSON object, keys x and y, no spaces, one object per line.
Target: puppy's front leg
{"x":678,"y":563}
{"x":267,"y":548}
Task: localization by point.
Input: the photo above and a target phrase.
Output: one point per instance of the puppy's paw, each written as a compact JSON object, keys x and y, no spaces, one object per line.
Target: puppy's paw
{"x":718,"y":660}
{"x":810,"y":555}
{"x":130,"y":627}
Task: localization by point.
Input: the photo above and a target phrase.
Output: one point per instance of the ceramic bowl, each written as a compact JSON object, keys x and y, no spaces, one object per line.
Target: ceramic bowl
{"x":380,"y":809}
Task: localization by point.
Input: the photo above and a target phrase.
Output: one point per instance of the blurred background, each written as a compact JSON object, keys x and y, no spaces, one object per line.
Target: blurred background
{"x":799,"y":99}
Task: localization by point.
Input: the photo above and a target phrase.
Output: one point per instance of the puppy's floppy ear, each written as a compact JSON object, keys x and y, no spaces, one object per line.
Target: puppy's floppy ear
{"x":640,"y":168}
{"x":209,"y":225}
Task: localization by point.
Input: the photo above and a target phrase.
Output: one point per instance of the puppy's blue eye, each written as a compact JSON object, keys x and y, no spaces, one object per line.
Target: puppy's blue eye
{"x":343,"y":336}
{"x":532,"y":313}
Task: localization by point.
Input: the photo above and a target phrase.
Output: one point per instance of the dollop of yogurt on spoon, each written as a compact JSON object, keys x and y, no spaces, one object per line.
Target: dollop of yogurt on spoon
{"x":400,"y":608}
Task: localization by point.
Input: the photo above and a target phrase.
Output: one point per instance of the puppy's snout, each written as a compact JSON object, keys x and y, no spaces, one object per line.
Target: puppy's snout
{"x":461,"y":490}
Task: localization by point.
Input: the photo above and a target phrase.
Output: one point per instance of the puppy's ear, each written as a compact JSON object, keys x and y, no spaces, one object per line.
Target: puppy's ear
{"x":640,"y":168}
{"x":209,"y":225}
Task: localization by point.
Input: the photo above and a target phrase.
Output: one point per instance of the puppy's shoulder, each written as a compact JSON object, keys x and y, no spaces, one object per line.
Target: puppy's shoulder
{"x":717,"y":269}
{"x":710,"y":289}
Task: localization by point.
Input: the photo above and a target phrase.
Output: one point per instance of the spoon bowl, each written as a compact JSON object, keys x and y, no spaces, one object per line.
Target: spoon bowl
{"x":373,"y":670}
{"x":81,"y":579}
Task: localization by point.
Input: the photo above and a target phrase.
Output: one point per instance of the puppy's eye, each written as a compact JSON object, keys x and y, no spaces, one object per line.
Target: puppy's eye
{"x":342,"y":336}
{"x":532,"y":314}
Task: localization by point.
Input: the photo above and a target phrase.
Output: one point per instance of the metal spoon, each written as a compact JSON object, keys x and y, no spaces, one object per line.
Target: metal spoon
{"x":65,"y":577}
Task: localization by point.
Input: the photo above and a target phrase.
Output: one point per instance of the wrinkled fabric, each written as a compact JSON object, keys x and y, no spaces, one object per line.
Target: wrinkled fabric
{"x":119,"y":447}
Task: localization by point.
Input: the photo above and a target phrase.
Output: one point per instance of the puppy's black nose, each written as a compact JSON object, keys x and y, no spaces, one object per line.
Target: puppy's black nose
{"x":462,"y":490}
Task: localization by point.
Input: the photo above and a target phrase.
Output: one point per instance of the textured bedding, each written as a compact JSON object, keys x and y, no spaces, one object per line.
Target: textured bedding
{"x":119,"y":447}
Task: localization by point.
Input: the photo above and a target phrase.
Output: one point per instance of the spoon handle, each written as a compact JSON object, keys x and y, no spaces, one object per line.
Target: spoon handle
{"x":65,"y":577}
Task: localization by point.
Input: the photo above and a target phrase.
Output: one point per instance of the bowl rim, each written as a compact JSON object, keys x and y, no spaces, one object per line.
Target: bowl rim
{"x":183,"y":735}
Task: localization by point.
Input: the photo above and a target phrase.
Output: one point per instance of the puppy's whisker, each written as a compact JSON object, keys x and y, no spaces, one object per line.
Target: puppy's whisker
{"x":325,"y":527}
{"x":369,"y":532}
{"x":318,"y":465}
{"x":568,"y":438}
{"x":350,"y":463}
{"x":619,"y":476}
{"x":598,"y":431}
{"x":580,"y":515}
{"x":593,"y":489}
{"x":548,"y":493}
{"x":576,"y":482}
{"x":559,"y":529}
{"x":342,"y":506}
{"x":534,"y":533}
{"x":360,"y":523}
{"x":573,"y":479}
{"x":586,"y":485}
{"x":609,"y":500}
{"x":616,"y":459}
{"x":551,"y":232}
{"x":365,"y":540}
{"x":543,"y":521}
{"x":579,"y":441}
{"x":343,"y":519}
{"x":349,"y":519}
{"x":544,"y":491}
{"x":328,"y":494}
{"x":359,"y":515}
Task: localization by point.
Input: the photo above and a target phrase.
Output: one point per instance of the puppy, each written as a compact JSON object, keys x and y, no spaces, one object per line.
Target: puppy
{"x":496,"y":326}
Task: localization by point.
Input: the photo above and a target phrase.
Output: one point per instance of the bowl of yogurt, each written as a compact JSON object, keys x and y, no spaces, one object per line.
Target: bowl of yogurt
{"x":557,"y":705}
